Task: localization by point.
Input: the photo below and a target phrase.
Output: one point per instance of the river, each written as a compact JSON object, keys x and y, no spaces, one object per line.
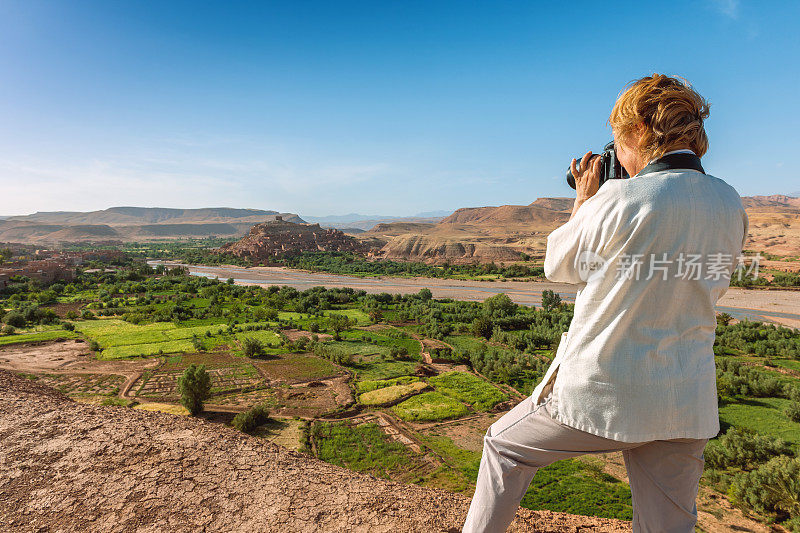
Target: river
{"x":778,"y":306}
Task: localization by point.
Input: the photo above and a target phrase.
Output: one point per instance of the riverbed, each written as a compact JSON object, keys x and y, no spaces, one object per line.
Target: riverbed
{"x":778,"y":306}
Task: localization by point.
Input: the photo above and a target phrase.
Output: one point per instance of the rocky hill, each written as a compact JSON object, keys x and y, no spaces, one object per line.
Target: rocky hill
{"x":133,"y":224}
{"x":67,"y":466}
{"x":774,"y":224}
{"x":476,"y":234}
{"x":500,"y":234}
{"x":544,"y":211}
{"x":277,"y":237}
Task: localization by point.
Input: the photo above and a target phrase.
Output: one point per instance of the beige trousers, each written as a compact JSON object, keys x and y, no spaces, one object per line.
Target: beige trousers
{"x":664,"y":475}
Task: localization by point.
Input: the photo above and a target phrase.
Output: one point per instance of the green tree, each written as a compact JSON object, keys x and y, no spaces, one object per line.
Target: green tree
{"x":338,"y":323}
{"x":252,"y":347}
{"x":551,"y":300}
{"x":195,"y":387}
{"x":724,"y":319}
{"x":375,"y":315}
{"x":482,"y":327}
{"x":499,"y":305}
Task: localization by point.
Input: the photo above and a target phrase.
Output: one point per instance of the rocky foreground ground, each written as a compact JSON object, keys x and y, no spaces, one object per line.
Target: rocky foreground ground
{"x":66,"y":466}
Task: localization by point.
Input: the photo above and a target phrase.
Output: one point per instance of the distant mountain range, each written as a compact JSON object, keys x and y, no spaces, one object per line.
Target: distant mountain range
{"x":501,"y":233}
{"x":134,"y":224}
{"x":356,"y":223}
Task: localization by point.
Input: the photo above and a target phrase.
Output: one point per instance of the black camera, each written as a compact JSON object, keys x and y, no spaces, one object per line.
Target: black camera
{"x":610,"y":167}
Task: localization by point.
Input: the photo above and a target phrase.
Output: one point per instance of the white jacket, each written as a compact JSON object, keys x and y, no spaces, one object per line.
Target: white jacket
{"x":637,"y":363}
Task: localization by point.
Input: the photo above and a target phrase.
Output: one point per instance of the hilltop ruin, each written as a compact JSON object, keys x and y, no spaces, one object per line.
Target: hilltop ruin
{"x":279,"y":237}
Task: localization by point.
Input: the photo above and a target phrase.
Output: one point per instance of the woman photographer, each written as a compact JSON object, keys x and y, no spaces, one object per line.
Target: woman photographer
{"x":635,"y":372}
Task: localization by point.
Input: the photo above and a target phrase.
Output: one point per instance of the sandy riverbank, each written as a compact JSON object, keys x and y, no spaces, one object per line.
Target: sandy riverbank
{"x":780,"y":306}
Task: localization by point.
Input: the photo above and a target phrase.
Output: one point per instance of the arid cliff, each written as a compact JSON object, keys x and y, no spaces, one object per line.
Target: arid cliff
{"x":476,"y":234}
{"x":500,"y":234}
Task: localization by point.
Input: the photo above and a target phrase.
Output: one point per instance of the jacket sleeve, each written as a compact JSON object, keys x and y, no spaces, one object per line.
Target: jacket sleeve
{"x":588,"y":230}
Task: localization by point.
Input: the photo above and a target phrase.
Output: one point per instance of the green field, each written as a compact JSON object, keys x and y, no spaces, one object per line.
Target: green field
{"x":119,"y":339}
{"x":764,"y":416}
{"x":115,"y":332}
{"x":37,"y":336}
{"x":146,"y":349}
{"x":367,"y":386}
{"x":391,"y":337}
{"x":430,"y":406}
{"x":359,"y":350}
{"x":364,"y":448}
{"x":298,"y":368}
{"x":469,"y":389}
{"x":378,"y":370}
{"x":391,"y":394}
{"x":573,"y":486}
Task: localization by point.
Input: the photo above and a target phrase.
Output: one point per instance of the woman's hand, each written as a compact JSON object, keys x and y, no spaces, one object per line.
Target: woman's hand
{"x":587,"y":181}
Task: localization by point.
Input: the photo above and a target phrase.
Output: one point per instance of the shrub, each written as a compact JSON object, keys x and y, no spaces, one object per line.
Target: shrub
{"x":197,"y":343}
{"x":399,"y":353}
{"x":724,"y":319}
{"x":482,"y":327}
{"x":335,"y":354}
{"x":743,"y":449}
{"x":772,"y":488}
{"x":301,"y":343}
{"x":15,"y":319}
{"x":251,"y":419}
{"x":195,"y":387}
{"x":793,"y":411}
{"x":69,"y":326}
{"x":9,"y":330}
{"x":252,"y":347}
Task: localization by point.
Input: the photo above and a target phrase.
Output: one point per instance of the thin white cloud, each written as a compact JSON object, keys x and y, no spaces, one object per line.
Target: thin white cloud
{"x":183,"y":181}
{"x":729,"y":8}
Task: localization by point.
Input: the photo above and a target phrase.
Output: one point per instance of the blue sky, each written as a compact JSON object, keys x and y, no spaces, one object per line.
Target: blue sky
{"x":383,"y":107}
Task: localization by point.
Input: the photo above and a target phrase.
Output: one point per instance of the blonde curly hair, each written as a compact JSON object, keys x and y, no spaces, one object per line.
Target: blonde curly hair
{"x":670,"y":109}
